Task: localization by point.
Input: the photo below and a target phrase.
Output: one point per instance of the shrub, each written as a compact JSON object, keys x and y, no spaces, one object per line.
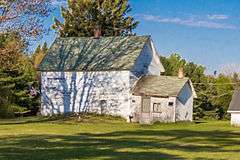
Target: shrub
{"x":8,"y":110}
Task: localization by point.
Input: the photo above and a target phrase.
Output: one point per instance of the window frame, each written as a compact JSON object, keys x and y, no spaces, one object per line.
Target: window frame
{"x":157,"y":105}
{"x":170,"y":104}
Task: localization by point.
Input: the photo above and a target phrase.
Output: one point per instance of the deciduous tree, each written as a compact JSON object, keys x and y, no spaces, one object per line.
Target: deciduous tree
{"x":12,"y":58}
{"x":24,"y":16}
{"x":214,"y":93}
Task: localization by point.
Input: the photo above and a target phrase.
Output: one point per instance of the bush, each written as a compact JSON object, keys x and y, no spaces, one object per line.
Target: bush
{"x":198,"y":113}
{"x":210,"y":115}
{"x":8,"y":110}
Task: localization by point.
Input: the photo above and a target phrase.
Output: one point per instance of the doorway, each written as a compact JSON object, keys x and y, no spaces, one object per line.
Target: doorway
{"x":103,"y":106}
{"x":145,"y":117}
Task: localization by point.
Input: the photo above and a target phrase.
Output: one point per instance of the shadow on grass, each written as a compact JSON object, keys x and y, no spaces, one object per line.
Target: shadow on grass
{"x":140,"y":144}
{"x":26,"y":120}
{"x":199,"y":122}
{"x":89,"y":118}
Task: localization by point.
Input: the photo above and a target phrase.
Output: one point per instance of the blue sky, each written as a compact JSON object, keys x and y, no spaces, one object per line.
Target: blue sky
{"x":206,"y":32}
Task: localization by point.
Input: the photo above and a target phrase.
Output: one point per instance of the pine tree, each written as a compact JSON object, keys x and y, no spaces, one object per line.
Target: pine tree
{"x":83,"y":16}
{"x":45,"y":47}
{"x":38,"y":49}
{"x":16,"y":74}
{"x":39,"y":54}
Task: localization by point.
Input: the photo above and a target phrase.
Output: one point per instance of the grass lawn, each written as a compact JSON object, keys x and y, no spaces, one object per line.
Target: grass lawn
{"x":108,"y":138}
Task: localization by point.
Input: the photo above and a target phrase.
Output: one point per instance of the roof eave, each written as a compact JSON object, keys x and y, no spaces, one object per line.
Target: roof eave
{"x":193,"y":89}
{"x":113,"y":70}
{"x":233,"y":111}
{"x":154,"y":95}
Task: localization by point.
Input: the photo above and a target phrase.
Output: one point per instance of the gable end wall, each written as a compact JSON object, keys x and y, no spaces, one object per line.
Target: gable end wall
{"x":235,"y":119}
{"x":148,"y":62}
{"x":184,"y":104}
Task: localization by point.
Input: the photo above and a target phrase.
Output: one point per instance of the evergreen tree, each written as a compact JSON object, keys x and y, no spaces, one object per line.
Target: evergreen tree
{"x":39,"y":54}
{"x":44,"y":47}
{"x":16,"y":74}
{"x":83,"y":16}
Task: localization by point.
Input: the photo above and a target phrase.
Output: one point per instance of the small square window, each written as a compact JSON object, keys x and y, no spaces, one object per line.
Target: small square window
{"x":157,"y":107}
{"x":170,"y":103}
{"x":133,"y":101}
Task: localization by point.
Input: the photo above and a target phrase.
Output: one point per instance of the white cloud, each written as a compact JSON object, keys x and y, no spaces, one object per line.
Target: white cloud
{"x":59,"y":2}
{"x":217,"y":17}
{"x":194,"y":22}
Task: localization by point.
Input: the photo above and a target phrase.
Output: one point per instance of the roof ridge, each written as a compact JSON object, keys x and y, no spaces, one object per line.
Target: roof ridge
{"x":166,"y":76}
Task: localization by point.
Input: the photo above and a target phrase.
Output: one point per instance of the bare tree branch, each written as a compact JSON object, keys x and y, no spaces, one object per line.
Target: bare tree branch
{"x":24,"y":16}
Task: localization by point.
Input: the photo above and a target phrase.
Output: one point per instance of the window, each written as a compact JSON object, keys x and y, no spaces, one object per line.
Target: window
{"x":133,"y":101}
{"x":103,"y":105}
{"x":170,"y":103}
{"x":157,"y":107}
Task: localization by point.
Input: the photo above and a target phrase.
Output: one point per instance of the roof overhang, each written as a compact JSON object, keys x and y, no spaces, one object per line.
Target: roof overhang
{"x":193,"y":90}
{"x":152,"y":95}
{"x":233,"y":111}
{"x":162,"y":69}
{"x":84,"y":70}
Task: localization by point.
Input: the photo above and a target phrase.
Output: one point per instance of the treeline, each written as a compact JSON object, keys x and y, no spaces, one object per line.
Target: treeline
{"x":21,"y":22}
{"x":214,"y":91}
{"x":18,"y":76}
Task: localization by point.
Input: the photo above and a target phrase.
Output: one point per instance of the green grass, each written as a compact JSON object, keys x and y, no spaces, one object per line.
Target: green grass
{"x":108,"y":138}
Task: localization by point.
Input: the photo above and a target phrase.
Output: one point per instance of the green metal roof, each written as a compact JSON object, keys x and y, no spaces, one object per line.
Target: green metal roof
{"x":160,"y":86}
{"x":235,"y":102}
{"x":90,"y":54}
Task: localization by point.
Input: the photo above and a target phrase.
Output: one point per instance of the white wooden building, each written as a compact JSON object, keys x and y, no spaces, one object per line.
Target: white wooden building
{"x":100,"y":75}
{"x":163,"y":98}
{"x":234,"y":108}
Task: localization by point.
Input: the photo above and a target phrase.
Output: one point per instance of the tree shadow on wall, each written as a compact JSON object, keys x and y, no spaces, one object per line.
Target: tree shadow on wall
{"x":76,"y":99}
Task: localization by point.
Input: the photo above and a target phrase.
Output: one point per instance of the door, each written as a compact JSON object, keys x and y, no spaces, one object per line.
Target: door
{"x":145,"y":117}
{"x":103,"y":106}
